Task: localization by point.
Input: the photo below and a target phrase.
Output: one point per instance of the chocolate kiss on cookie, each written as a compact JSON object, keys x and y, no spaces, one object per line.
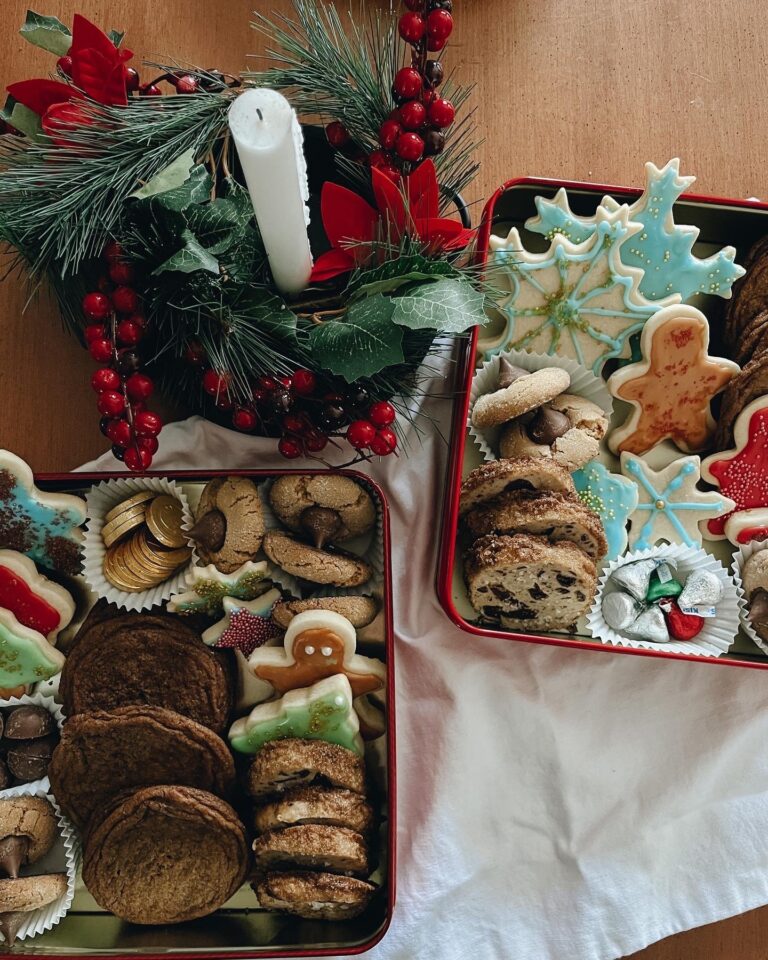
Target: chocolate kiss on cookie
{"x":548,"y":425}
{"x":508,"y":373}
{"x":321,"y":524}
{"x":14,"y":853}
{"x":210,"y":531}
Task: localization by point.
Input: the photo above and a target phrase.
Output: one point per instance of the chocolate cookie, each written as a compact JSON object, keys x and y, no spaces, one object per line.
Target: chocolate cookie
{"x":103,"y":753}
{"x":568,"y":430}
{"x":555,"y":516}
{"x":745,"y":387}
{"x":314,"y":896}
{"x":326,"y":508}
{"x":147,"y":660}
{"x":27,"y":832}
{"x":754,"y":339}
{"x":328,"y":806}
{"x":527,"y":583}
{"x":360,"y":611}
{"x":165,"y":855}
{"x":750,"y":297}
{"x":337,"y":568}
{"x":522,"y":473}
{"x":283,"y":765}
{"x":524,"y":392}
{"x":24,"y":894}
{"x":229,"y":524}
{"x":312,"y":846}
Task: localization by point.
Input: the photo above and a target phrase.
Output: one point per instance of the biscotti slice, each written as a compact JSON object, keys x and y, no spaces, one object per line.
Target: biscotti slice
{"x":523,"y":473}
{"x":282,"y":765}
{"x":527,"y":583}
{"x":555,"y":516}
{"x":331,"y":807}
{"x":312,"y":846}
{"x":314,"y":896}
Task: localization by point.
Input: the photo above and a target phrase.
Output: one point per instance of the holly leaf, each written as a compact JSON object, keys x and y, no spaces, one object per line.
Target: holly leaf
{"x":190,"y":258}
{"x":174,"y":175}
{"x":361,"y":344}
{"x":47,"y":32}
{"x":449,"y":306}
{"x":394,"y":274}
{"x":23,"y":119}
{"x":219,"y":225}
{"x":117,"y":37}
{"x":269,"y":315}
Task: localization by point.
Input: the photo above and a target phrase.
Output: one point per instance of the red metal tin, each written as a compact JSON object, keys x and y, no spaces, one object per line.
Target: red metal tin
{"x":722,"y":221}
{"x":216,"y":937}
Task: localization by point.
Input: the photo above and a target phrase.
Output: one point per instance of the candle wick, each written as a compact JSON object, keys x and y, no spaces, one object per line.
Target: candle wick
{"x":261,"y":115}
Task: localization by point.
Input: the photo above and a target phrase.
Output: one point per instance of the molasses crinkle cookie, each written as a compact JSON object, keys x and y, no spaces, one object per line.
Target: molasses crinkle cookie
{"x":328,"y":508}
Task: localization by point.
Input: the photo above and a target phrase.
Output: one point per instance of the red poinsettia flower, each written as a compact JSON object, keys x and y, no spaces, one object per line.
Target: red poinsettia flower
{"x":352,"y":225}
{"x":98,"y":70}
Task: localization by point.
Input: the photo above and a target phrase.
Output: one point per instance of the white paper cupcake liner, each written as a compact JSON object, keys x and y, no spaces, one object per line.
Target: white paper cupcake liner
{"x":719,"y":632}
{"x":37,"y":700}
{"x":64,"y":857}
{"x":740,"y":557}
{"x":100,"y":499}
{"x":583,"y":384}
{"x":370,"y":547}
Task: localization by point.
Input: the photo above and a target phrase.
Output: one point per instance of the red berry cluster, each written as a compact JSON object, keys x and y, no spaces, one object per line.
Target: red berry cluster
{"x":414,"y":129}
{"x":116,"y":325}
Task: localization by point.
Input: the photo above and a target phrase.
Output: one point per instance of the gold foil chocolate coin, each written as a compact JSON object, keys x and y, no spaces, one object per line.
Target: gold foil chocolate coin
{"x":122,"y":525}
{"x":164,"y":519}
{"x":143,"y":496}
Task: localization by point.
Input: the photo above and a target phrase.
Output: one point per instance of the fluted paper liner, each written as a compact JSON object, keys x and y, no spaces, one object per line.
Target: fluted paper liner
{"x":583,"y":384}
{"x":740,"y":557}
{"x":37,"y":700}
{"x":369,"y":547}
{"x":101,"y":498}
{"x":719,"y":632}
{"x":64,"y":857}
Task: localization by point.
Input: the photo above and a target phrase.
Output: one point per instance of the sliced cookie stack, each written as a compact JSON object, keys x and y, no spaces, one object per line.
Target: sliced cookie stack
{"x":535,"y":545}
{"x":313,"y":822}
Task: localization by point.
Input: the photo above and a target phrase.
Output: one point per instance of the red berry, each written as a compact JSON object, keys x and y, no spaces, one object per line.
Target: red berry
{"x":384,"y":443}
{"x":125,"y":299}
{"x":132,"y":79}
{"x":304,"y":383}
{"x":224,"y":402}
{"x":316,"y":442}
{"x":414,"y":114}
{"x":139,"y":386}
{"x":337,"y":134}
{"x":94,"y":331}
{"x":120,"y":272}
{"x":436,"y":45}
{"x":113,"y":251}
{"x":360,"y":433}
{"x":287,"y":382}
{"x":150,"y":444}
{"x":389,"y":131}
{"x":410,"y":147}
{"x":244,"y":419}
{"x":291,"y":449}
{"x":111,"y":403}
{"x":294,"y":424}
{"x":442,"y":113}
{"x":378,"y":159}
{"x":65,"y":65}
{"x":187,"y":84}
{"x":408,"y":83}
{"x":136,"y":459}
{"x":260,"y":397}
{"x":382,"y":414}
{"x":120,"y":433}
{"x":194,"y":353}
{"x":392,"y":172}
{"x":215,"y":383}
{"x":139,"y":319}
{"x":151,"y":90}
{"x":412,"y":27}
{"x":147,"y":424}
{"x":439,"y":28}
{"x":268,"y":383}
{"x":105,"y":379}
{"x":128,"y":334}
{"x":100,"y":350}
{"x":96,"y":306}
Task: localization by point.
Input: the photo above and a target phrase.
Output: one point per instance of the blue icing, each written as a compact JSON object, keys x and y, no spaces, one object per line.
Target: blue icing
{"x":37,"y":529}
{"x":663,"y":250}
{"x":612,"y":497}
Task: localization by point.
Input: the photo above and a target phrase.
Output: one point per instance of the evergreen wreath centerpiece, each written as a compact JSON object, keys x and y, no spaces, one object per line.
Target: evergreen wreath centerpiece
{"x":166,"y":210}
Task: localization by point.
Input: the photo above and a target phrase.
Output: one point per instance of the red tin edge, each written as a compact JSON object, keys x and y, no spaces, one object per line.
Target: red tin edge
{"x":465,"y":371}
{"x":389,"y":645}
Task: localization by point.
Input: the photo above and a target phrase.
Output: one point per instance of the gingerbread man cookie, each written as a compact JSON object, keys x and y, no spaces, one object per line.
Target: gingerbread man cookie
{"x":671,"y":389}
{"x":741,"y":473}
{"x":34,"y":600}
{"x":318,"y":644}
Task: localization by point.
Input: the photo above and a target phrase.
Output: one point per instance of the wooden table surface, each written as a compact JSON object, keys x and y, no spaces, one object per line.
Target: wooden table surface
{"x":577,"y":89}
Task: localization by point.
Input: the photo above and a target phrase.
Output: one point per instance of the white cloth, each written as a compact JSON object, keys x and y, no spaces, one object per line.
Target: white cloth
{"x":552,"y":804}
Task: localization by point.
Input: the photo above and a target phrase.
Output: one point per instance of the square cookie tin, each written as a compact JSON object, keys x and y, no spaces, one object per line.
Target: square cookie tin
{"x":722,"y":222}
{"x":241,"y":929}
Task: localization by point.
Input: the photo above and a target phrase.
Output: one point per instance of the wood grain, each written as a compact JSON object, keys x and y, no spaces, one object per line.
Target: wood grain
{"x":579,"y":89}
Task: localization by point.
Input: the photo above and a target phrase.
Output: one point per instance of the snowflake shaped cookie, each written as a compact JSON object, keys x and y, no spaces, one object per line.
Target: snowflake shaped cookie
{"x":612,"y":497}
{"x":662,"y":249}
{"x":208,"y":587}
{"x":670,"y":507}
{"x":576,"y":299}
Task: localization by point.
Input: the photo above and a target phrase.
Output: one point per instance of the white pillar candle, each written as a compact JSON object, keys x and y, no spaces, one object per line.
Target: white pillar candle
{"x":269,"y":143}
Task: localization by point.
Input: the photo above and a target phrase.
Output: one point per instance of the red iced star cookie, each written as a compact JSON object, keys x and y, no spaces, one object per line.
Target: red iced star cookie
{"x":742,"y":473}
{"x":246,"y":625}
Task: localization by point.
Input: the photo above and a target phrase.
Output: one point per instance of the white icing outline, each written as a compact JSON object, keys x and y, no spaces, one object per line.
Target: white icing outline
{"x":23,"y":633}
{"x":260,"y":607}
{"x":53,"y":594}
